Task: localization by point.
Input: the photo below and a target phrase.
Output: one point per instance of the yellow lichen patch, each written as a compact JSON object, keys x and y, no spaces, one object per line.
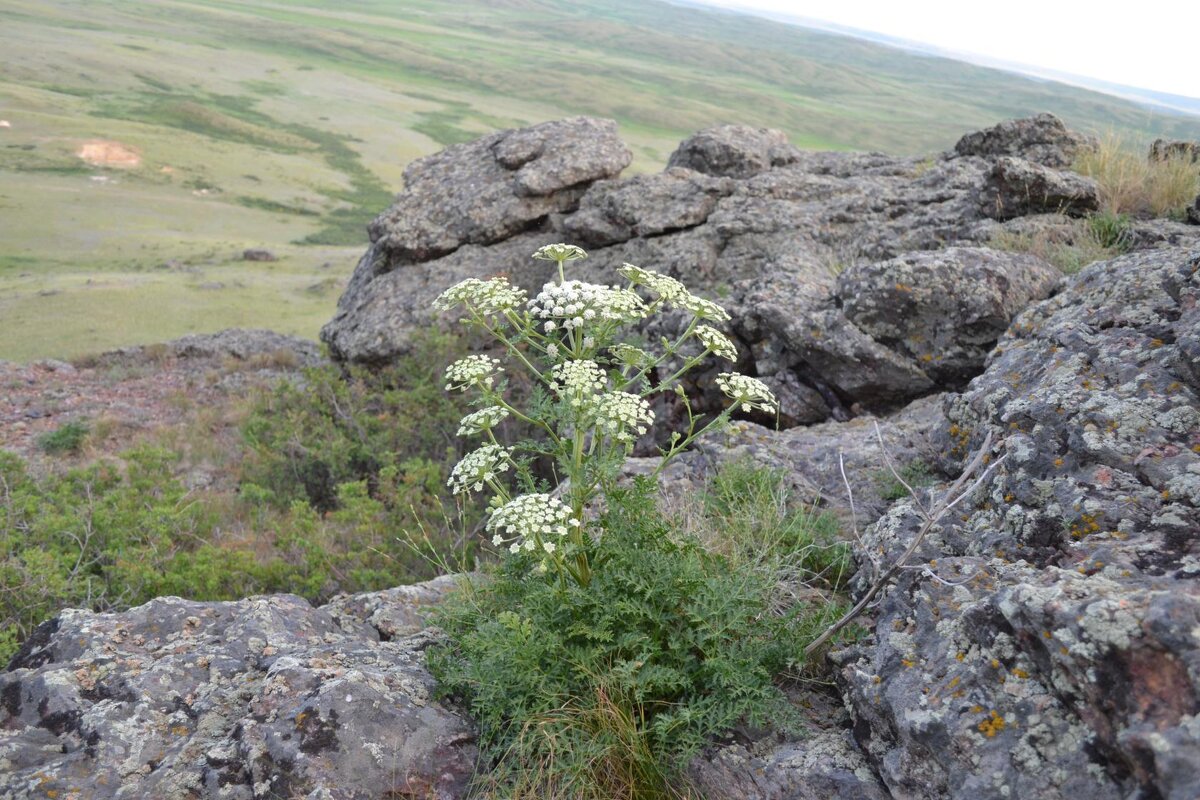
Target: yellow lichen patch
{"x":1020,"y":673}
{"x":992,"y":725}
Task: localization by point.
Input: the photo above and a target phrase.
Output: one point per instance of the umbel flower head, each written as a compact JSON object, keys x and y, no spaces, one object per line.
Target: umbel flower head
{"x":482,"y":420}
{"x":529,"y":519}
{"x":749,"y":393}
{"x":478,"y":468}
{"x":560,"y":252}
{"x":665,"y":287}
{"x":623,"y":416}
{"x":716,"y":341}
{"x":573,"y":304}
{"x":474,"y":370}
{"x":578,"y":381}
{"x":492,"y":296}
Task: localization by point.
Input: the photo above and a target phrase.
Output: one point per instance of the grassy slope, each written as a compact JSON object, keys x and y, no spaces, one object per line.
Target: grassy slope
{"x":278,"y":123}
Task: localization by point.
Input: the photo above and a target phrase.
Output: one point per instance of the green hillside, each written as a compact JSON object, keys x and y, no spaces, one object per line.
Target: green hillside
{"x":216,"y":125}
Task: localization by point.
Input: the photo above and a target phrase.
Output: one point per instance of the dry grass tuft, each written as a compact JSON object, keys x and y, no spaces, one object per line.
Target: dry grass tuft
{"x":1131,"y":183}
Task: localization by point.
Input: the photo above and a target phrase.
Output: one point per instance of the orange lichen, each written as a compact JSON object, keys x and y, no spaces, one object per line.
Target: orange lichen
{"x":992,"y":725}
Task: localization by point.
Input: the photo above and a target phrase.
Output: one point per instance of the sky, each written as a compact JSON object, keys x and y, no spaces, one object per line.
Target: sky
{"x":1151,"y":47}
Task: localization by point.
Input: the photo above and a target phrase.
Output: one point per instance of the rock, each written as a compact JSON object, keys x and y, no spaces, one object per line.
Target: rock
{"x":645,"y":205}
{"x":54,"y":365}
{"x":1164,"y":150}
{"x":243,"y":344}
{"x":943,"y":309}
{"x":266,"y":697}
{"x":258,"y":254}
{"x":1017,"y":187}
{"x":497,"y":186}
{"x":734,"y":151}
{"x":1057,"y":652}
{"x":808,"y":457}
{"x":823,"y":763}
{"x":391,"y":613}
{"x":1192,"y":214}
{"x":1042,"y":139}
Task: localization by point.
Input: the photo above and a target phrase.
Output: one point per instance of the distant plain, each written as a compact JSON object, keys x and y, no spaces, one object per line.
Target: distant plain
{"x":213,"y":126}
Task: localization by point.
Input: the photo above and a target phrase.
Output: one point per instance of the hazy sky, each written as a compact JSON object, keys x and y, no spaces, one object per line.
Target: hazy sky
{"x":1152,"y":45}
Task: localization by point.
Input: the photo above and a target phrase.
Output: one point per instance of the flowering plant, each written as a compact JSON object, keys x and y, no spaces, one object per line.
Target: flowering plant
{"x":594,"y":392}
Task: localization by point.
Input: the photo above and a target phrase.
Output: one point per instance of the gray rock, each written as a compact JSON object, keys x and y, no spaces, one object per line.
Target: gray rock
{"x":243,"y":344}
{"x":1017,"y":187}
{"x":258,"y":254}
{"x":494,"y":187}
{"x":266,"y":697}
{"x":823,"y":763}
{"x":735,"y":151}
{"x":645,"y":205}
{"x":1042,"y":139}
{"x":1057,"y":653}
{"x":943,"y":309}
{"x":1164,"y":149}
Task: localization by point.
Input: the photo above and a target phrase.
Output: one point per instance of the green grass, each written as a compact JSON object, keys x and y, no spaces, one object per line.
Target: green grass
{"x":246,"y":113}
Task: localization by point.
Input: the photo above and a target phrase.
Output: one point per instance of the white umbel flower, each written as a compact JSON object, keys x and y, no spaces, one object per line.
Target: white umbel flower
{"x":628,"y":354}
{"x":623,"y":416}
{"x":665,"y":287}
{"x":749,"y":393}
{"x":716,"y":341}
{"x":482,"y":420}
{"x":478,"y":468}
{"x":560,"y":252}
{"x":526,"y":521}
{"x":704,"y":309}
{"x":578,"y":382}
{"x":475,"y":370}
{"x":492,"y":296}
{"x":573,"y":304}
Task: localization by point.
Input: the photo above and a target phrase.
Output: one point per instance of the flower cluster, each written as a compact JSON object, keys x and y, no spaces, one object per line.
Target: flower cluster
{"x":482,"y":420}
{"x":473,"y":370}
{"x":574,"y":303}
{"x":479,"y":467}
{"x":628,"y":354}
{"x":665,"y":287}
{"x":717,"y":342}
{"x":560,"y":252}
{"x":749,"y":393}
{"x":620,"y":415}
{"x":529,"y":521}
{"x":704,"y":309}
{"x":492,"y":296}
{"x":577,"y":381}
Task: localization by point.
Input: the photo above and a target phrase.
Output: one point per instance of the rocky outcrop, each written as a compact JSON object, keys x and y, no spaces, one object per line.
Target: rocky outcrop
{"x":741,"y":215}
{"x":1051,"y":649}
{"x":267,"y":697}
{"x":1042,"y":139}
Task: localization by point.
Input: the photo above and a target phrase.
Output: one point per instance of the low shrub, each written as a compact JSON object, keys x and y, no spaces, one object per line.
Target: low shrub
{"x":605,"y":690}
{"x":66,"y":439}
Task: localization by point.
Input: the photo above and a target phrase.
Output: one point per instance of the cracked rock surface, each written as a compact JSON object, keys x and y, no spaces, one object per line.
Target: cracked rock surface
{"x":260,"y":698}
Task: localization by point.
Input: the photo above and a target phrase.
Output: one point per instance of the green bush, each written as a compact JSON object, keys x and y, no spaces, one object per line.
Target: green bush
{"x":305,"y":438}
{"x":602,"y":690}
{"x":1112,"y":231}
{"x":68,"y":438}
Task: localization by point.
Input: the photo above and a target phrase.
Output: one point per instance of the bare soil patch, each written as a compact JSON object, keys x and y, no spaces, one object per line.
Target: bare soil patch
{"x":106,"y":153}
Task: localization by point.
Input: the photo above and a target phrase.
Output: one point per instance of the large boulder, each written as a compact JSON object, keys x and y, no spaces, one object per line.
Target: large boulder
{"x":1042,"y":139}
{"x":1017,"y":188}
{"x":1050,"y":646}
{"x":266,"y":697}
{"x":734,"y":151}
{"x":893,"y":330}
{"x":1166,"y":149}
{"x":487,"y":190}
